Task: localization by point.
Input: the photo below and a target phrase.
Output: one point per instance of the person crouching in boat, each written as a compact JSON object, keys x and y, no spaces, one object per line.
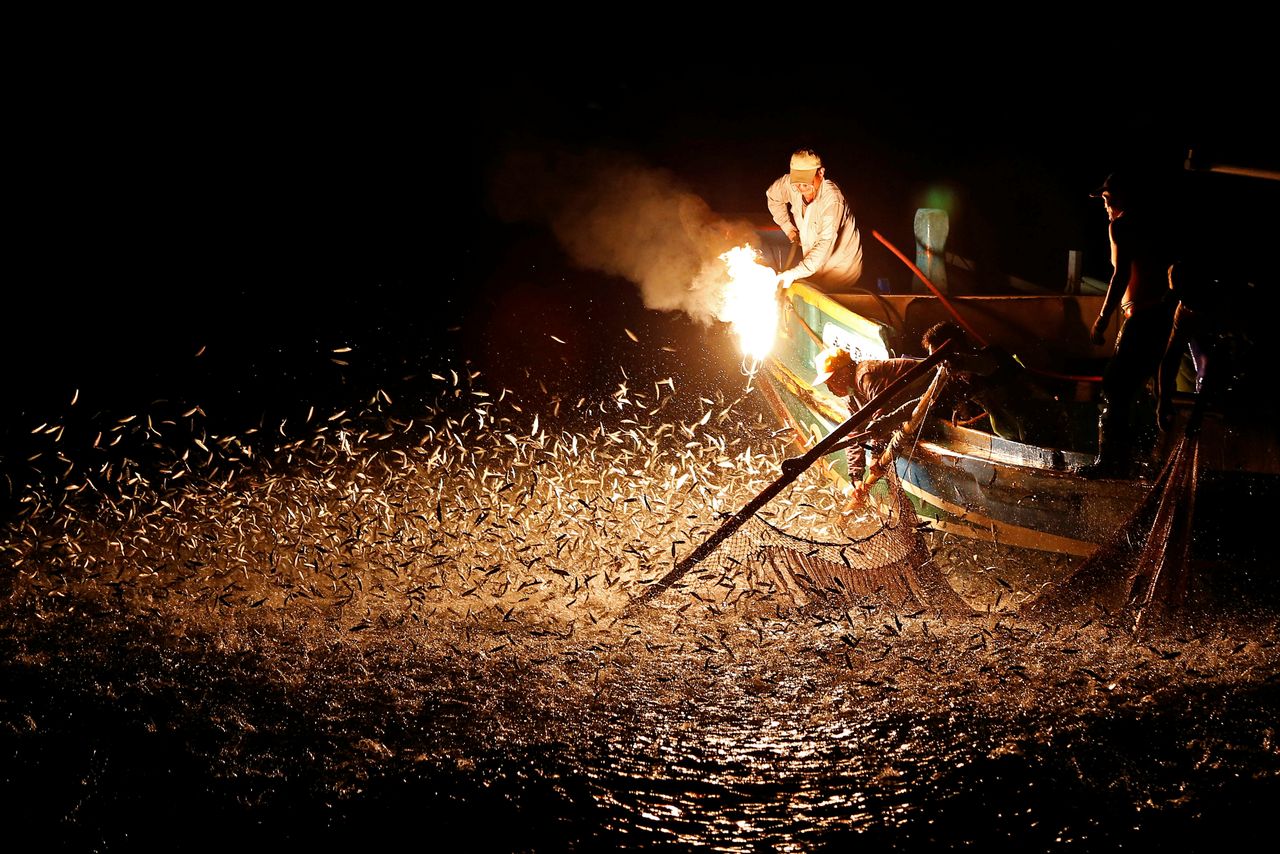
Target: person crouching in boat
{"x":988,"y":380}
{"x":860,"y":381}
{"x":814,"y":216}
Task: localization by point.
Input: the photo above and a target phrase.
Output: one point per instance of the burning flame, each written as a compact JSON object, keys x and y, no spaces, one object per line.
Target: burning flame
{"x":750,"y":303}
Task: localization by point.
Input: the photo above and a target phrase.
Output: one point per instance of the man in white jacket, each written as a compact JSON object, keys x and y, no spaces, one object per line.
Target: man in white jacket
{"x":813,"y":213}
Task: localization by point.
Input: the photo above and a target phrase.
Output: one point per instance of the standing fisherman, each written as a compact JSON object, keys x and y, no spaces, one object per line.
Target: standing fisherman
{"x":1140,"y":260}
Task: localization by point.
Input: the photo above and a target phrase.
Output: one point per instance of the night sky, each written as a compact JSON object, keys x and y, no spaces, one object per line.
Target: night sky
{"x":266,"y":219}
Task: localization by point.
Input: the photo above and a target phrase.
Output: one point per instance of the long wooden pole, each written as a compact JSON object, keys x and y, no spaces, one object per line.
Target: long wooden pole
{"x":791,"y":469}
{"x":946,"y":303}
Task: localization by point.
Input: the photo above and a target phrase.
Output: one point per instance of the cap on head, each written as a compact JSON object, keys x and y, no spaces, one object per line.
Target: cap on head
{"x":1116,"y":185}
{"x":805,"y":163}
{"x":828,"y":362}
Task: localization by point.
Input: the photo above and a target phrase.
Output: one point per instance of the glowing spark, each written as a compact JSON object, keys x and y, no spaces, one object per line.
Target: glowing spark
{"x":750,"y":305}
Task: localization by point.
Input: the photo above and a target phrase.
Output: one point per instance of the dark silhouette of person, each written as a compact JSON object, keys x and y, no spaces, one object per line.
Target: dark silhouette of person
{"x":1140,"y":258}
{"x":1219,"y":320}
{"x":990,"y":378}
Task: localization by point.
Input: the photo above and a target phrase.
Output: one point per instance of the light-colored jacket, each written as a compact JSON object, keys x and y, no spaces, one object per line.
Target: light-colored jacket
{"x":828,"y":234}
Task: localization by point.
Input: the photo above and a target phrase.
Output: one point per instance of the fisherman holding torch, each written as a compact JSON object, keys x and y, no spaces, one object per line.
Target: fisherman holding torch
{"x":815,"y":217}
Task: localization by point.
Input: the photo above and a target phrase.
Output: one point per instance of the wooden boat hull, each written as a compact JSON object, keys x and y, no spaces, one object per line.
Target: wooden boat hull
{"x":973,"y":483}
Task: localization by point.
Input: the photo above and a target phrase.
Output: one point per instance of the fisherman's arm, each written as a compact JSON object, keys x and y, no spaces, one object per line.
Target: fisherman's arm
{"x":818,"y":253}
{"x":1120,"y":263}
{"x":1170,"y":364}
{"x":980,"y":363}
{"x":778,"y":198}
{"x":882,"y":428}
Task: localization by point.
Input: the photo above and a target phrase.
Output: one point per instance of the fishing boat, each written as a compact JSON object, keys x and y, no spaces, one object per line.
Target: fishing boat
{"x":968,"y":481}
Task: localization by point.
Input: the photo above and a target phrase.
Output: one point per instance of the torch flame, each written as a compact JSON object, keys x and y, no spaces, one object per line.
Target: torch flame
{"x":750,"y":301}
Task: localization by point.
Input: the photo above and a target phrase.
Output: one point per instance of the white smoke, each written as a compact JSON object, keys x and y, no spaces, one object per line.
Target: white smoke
{"x":618,"y":216}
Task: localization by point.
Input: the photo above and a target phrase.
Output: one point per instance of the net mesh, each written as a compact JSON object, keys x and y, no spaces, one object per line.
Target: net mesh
{"x":882,"y":559}
{"x":1142,"y":572}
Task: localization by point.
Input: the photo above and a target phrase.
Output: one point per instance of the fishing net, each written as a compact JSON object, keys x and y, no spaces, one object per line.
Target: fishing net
{"x":882,"y":558}
{"x":1141,"y":573}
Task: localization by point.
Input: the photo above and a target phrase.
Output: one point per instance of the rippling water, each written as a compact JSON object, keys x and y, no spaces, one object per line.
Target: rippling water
{"x":409,"y":621}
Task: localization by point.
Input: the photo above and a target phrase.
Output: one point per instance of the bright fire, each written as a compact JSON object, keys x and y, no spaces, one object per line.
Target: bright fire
{"x":750,"y":301}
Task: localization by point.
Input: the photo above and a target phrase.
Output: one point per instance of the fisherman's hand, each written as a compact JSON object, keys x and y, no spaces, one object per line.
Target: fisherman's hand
{"x":1098,"y":333}
{"x":793,"y":236}
{"x":785,"y":279}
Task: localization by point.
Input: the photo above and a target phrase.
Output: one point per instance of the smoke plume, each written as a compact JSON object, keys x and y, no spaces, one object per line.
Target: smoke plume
{"x":618,"y":216}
